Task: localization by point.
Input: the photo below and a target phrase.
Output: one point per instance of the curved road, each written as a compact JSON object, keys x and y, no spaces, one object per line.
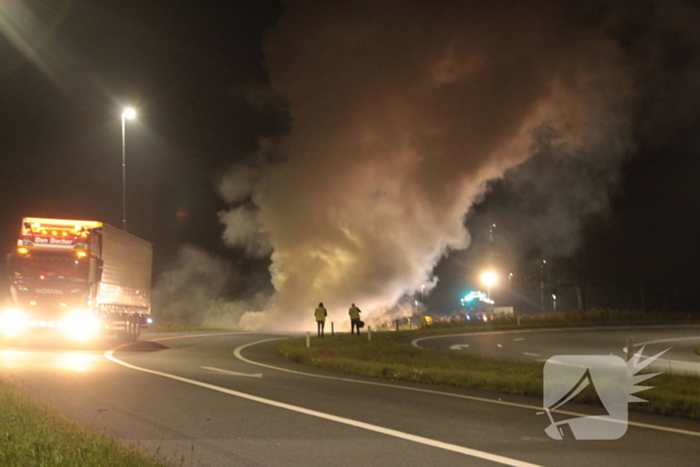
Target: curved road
{"x":539,"y":345}
{"x":226,"y":399}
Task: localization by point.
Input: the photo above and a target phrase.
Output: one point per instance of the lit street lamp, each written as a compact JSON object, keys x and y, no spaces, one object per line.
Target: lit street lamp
{"x":489,"y":278}
{"x":128,"y":113}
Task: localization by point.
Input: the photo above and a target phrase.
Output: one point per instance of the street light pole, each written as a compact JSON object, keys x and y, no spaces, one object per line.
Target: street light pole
{"x":127,"y":113}
{"x":542,"y":285}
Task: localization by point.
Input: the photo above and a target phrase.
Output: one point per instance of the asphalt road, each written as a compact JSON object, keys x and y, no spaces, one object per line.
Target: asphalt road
{"x":539,"y":345}
{"x":225,"y":399}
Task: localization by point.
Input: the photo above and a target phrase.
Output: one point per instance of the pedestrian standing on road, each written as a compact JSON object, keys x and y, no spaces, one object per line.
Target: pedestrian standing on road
{"x":320,"y":315}
{"x":354,"y":319}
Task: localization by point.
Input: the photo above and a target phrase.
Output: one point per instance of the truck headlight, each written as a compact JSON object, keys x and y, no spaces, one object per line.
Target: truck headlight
{"x":12,"y":321}
{"x":81,"y":325}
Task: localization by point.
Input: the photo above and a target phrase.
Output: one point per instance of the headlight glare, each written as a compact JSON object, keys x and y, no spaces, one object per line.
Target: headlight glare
{"x":12,"y":321}
{"x":81,"y":325}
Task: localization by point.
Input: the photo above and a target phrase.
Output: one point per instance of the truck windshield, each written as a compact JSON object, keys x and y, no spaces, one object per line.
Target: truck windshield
{"x":51,"y":266}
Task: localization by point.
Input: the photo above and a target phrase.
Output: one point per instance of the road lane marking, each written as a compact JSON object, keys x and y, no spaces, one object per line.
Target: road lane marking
{"x":109,"y":355}
{"x":233,"y":373}
{"x":238,"y":350}
{"x":499,"y":346}
{"x":415,"y":342}
{"x":531,"y":354}
{"x":677,"y":339}
{"x":519,"y":339}
{"x":459,"y":346}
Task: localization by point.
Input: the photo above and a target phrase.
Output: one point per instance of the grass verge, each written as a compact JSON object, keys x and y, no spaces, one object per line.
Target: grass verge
{"x":34,"y":434}
{"x":387,"y":356}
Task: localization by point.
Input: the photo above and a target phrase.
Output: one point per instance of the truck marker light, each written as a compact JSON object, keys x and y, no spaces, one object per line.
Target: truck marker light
{"x":82,"y":254}
{"x":22,"y":251}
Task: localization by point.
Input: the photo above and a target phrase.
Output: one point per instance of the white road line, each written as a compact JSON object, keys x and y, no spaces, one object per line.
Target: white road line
{"x":519,"y":339}
{"x":531,"y":354}
{"x":415,"y":342}
{"x":459,"y":346}
{"x":237,"y":354}
{"x":677,"y":339}
{"x":346,"y":421}
{"x":233,"y":373}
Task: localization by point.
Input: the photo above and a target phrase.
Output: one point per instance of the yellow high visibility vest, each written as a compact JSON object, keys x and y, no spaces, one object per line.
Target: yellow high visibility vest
{"x":354,"y":313}
{"x":320,"y":314}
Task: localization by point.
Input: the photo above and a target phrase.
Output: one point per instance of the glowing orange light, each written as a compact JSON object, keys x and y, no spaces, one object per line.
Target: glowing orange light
{"x":22,"y":250}
{"x":82,"y":254}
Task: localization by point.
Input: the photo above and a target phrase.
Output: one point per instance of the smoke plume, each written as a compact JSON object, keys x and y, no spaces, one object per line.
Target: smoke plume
{"x":196,"y":289}
{"x":402,"y":112}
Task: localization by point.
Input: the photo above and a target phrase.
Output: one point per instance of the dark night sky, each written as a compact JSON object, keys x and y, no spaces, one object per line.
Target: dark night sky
{"x":178,"y":63}
{"x":183,"y":65}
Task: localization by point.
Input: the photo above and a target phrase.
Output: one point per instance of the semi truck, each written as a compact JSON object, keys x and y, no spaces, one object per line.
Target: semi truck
{"x":78,"y":279}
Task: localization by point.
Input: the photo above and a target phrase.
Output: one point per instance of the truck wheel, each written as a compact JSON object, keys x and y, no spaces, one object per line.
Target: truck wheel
{"x":128,"y":334}
{"x":135,"y":328}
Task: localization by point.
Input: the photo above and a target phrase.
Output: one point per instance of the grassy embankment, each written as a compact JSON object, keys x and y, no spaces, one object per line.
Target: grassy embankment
{"x":389,"y":355}
{"x":32,"y":434}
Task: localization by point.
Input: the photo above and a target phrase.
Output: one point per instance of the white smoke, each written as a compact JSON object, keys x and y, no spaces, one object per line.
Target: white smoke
{"x":402,"y":112}
{"x":194,"y":289}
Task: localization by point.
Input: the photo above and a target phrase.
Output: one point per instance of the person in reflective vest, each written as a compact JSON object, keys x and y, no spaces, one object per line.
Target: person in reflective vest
{"x":354,"y":319}
{"x":320,"y":315}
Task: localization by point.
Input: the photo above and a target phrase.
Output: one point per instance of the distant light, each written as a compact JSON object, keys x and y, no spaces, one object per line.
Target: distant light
{"x":489,"y":278}
{"x":129,"y":113}
{"x":22,"y":250}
